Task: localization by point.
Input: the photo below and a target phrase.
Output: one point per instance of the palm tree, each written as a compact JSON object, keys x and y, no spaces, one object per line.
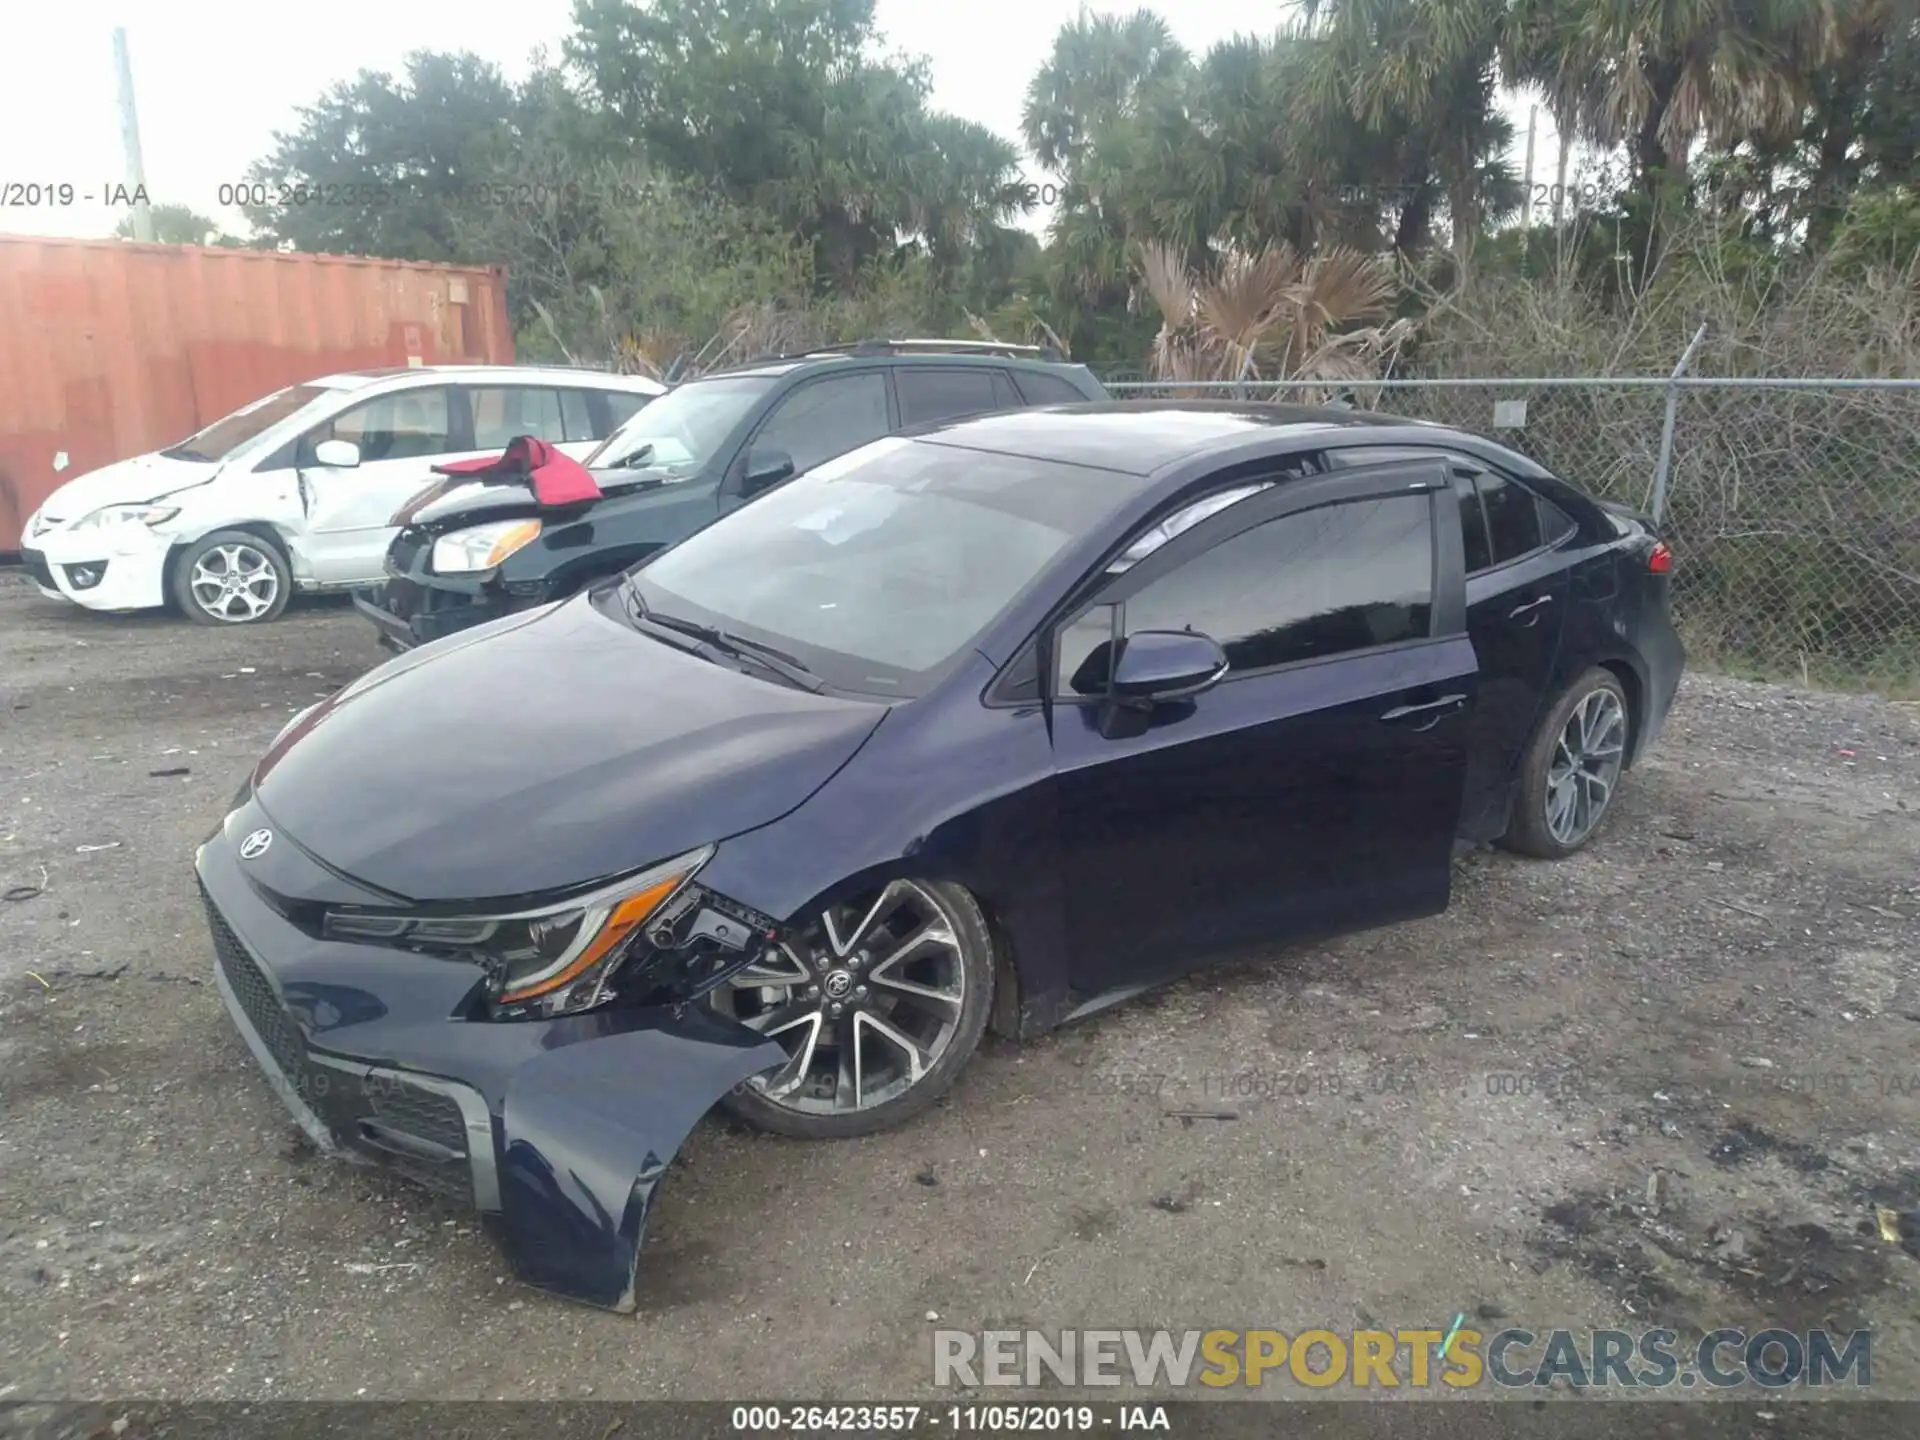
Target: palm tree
{"x":1661,"y":75}
{"x":1422,"y":75}
{"x":1268,"y":314}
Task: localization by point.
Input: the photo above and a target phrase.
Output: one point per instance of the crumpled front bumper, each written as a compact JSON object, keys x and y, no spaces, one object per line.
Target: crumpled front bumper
{"x":558,"y":1132}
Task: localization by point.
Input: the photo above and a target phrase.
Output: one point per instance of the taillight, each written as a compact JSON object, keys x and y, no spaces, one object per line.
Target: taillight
{"x":1660,"y":559}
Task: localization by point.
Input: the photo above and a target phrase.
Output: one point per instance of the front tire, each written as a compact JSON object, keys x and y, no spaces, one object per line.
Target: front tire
{"x":879,"y":1004}
{"x":232,"y":577}
{"x":1571,"y":769}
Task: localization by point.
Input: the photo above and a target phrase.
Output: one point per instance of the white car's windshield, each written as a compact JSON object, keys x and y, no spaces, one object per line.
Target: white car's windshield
{"x":228,"y":434}
{"x":681,"y":429}
{"x":876,"y":569}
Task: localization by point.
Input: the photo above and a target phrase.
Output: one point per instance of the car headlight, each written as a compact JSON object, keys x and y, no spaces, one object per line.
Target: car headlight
{"x":483,"y":547}
{"x":542,"y":962}
{"x":126,"y":515}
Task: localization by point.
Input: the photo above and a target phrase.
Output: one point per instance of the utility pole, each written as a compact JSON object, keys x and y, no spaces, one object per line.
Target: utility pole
{"x":130,"y":139}
{"x":1526,"y":200}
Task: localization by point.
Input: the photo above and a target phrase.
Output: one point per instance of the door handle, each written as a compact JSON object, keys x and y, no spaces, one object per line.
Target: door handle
{"x":1531,"y":605}
{"x":1435,"y":710}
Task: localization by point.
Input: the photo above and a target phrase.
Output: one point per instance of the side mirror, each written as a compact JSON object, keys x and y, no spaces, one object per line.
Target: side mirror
{"x":1167,"y":665}
{"x":336,"y":454}
{"x":765,"y":469}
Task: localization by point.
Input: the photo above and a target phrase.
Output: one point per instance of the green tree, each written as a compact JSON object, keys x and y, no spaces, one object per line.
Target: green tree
{"x":781,"y":103}
{"x":1421,"y":76}
{"x":381,"y":165}
{"x":177,"y":225}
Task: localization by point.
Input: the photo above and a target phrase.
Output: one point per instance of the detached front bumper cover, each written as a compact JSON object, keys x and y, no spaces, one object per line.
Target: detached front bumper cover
{"x":559,"y":1132}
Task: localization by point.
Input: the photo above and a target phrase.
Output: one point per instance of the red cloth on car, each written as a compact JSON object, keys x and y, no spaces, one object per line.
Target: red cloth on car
{"x":557,"y":479}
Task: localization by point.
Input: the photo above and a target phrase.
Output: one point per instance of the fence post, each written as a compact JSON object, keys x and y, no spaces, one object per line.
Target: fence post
{"x":1660,"y":471}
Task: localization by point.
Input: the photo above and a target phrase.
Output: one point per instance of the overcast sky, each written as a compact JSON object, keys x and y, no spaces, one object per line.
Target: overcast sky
{"x":215,"y":78}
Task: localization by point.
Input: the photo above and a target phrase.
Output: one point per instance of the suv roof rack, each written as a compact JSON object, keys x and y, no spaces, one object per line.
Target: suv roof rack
{"x":909,"y":347}
{"x":941,"y":347}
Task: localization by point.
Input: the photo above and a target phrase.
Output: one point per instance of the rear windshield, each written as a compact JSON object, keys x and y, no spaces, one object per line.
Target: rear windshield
{"x":249,"y":422}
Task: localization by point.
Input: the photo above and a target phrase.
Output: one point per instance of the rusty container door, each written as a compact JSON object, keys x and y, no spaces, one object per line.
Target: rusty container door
{"x":109,"y":349}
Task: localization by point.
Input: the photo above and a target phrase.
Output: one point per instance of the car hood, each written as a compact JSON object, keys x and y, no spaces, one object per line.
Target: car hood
{"x":544,"y":751}
{"x":125,"y":482}
{"x":476,"y":504}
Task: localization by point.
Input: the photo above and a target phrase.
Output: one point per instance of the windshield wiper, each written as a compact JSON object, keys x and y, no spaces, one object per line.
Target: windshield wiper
{"x":736,"y":646}
{"x":633,"y":459}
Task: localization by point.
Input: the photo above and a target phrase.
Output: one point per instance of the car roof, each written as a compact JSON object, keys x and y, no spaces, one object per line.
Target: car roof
{"x":574,"y":375}
{"x":1138,"y":437}
{"x":941,"y":359}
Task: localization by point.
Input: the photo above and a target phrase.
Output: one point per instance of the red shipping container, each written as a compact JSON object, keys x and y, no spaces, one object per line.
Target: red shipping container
{"x":109,"y":348}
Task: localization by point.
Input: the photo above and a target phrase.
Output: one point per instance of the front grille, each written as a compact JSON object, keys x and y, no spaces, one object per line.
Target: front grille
{"x":37,"y":567}
{"x":269,"y":1018}
{"x":425,"y":1113}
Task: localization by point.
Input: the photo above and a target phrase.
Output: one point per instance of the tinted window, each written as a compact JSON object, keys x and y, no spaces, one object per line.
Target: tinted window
{"x":502,"y":412}
{"x":410,"y":425}
{"x":1041,"y":389}
{"x":622,"y":406}
{"x":576,"y":416}
{"x":1321,"y":582}
{"x":825,"y":418}
{"x":943,"y":394}
{"x":1555,"y":523}
{"x":1473,"y":525}
{"x":1513,"y":517}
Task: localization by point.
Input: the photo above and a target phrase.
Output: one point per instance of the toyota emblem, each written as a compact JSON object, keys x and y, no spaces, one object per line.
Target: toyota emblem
{"x":255,"y":845}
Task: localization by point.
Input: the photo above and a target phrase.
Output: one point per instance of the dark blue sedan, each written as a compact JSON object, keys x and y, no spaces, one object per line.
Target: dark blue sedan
{"x":987,"y":725}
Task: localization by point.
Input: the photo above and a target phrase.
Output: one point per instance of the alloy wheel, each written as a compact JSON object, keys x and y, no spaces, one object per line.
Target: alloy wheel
{"x":865,"y":1002}
{"x":1585,"y":766}
{"x":234,"y":582}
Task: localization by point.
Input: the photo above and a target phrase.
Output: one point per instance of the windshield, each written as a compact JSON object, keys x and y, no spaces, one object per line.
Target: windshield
{"x":684,"y":426}
{"x":877,"y":569}
{"x":249,"y":422}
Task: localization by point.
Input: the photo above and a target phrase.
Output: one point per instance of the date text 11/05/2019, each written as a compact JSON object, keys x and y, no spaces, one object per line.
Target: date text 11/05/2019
{"x":1041,"y":1419}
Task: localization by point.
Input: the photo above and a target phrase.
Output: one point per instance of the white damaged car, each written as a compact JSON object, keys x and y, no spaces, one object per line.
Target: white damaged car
{"x":295,"y":491}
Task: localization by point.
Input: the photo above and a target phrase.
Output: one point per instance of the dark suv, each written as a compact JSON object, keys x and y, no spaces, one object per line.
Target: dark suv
{"x":480,"y":551}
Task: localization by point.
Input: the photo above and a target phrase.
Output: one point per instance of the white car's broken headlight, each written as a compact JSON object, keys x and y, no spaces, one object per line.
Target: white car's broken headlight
{"x":109,"y":515}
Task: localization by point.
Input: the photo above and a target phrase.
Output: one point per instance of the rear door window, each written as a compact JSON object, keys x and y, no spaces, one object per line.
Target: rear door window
{"x":928,"y":394}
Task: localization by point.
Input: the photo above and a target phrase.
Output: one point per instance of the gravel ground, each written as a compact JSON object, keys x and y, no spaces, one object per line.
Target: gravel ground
{"x":1667,"y":1082}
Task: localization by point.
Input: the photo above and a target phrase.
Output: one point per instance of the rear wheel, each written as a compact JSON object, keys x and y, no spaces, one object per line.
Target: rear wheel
{"x":232,"y":577}
{"x":1571,"y":769}
{"x":878,"y":1004}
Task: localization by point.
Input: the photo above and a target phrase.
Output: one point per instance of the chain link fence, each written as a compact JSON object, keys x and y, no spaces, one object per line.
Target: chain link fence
{"x":1793,"y":506}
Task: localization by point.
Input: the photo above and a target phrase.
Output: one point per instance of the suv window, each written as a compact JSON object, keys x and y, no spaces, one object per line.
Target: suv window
{"x":576,"y":416}
{"x":1043,"y":389}
{"x":622,"y":406}
{"x":929,"y":394}
{"x":501,"y":412}
{"x":1326,"y":581}
{"x":407,"y":425}
{"x":824,"y":418}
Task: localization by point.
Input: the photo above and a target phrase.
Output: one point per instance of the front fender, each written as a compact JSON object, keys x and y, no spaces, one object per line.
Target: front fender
{"x":587,"y":1133}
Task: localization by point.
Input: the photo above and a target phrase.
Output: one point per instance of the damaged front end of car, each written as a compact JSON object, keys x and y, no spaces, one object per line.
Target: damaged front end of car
{"x":543,"y":1064}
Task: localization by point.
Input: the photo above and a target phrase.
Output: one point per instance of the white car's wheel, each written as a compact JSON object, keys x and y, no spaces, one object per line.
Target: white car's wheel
{"x":232,"y":577}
